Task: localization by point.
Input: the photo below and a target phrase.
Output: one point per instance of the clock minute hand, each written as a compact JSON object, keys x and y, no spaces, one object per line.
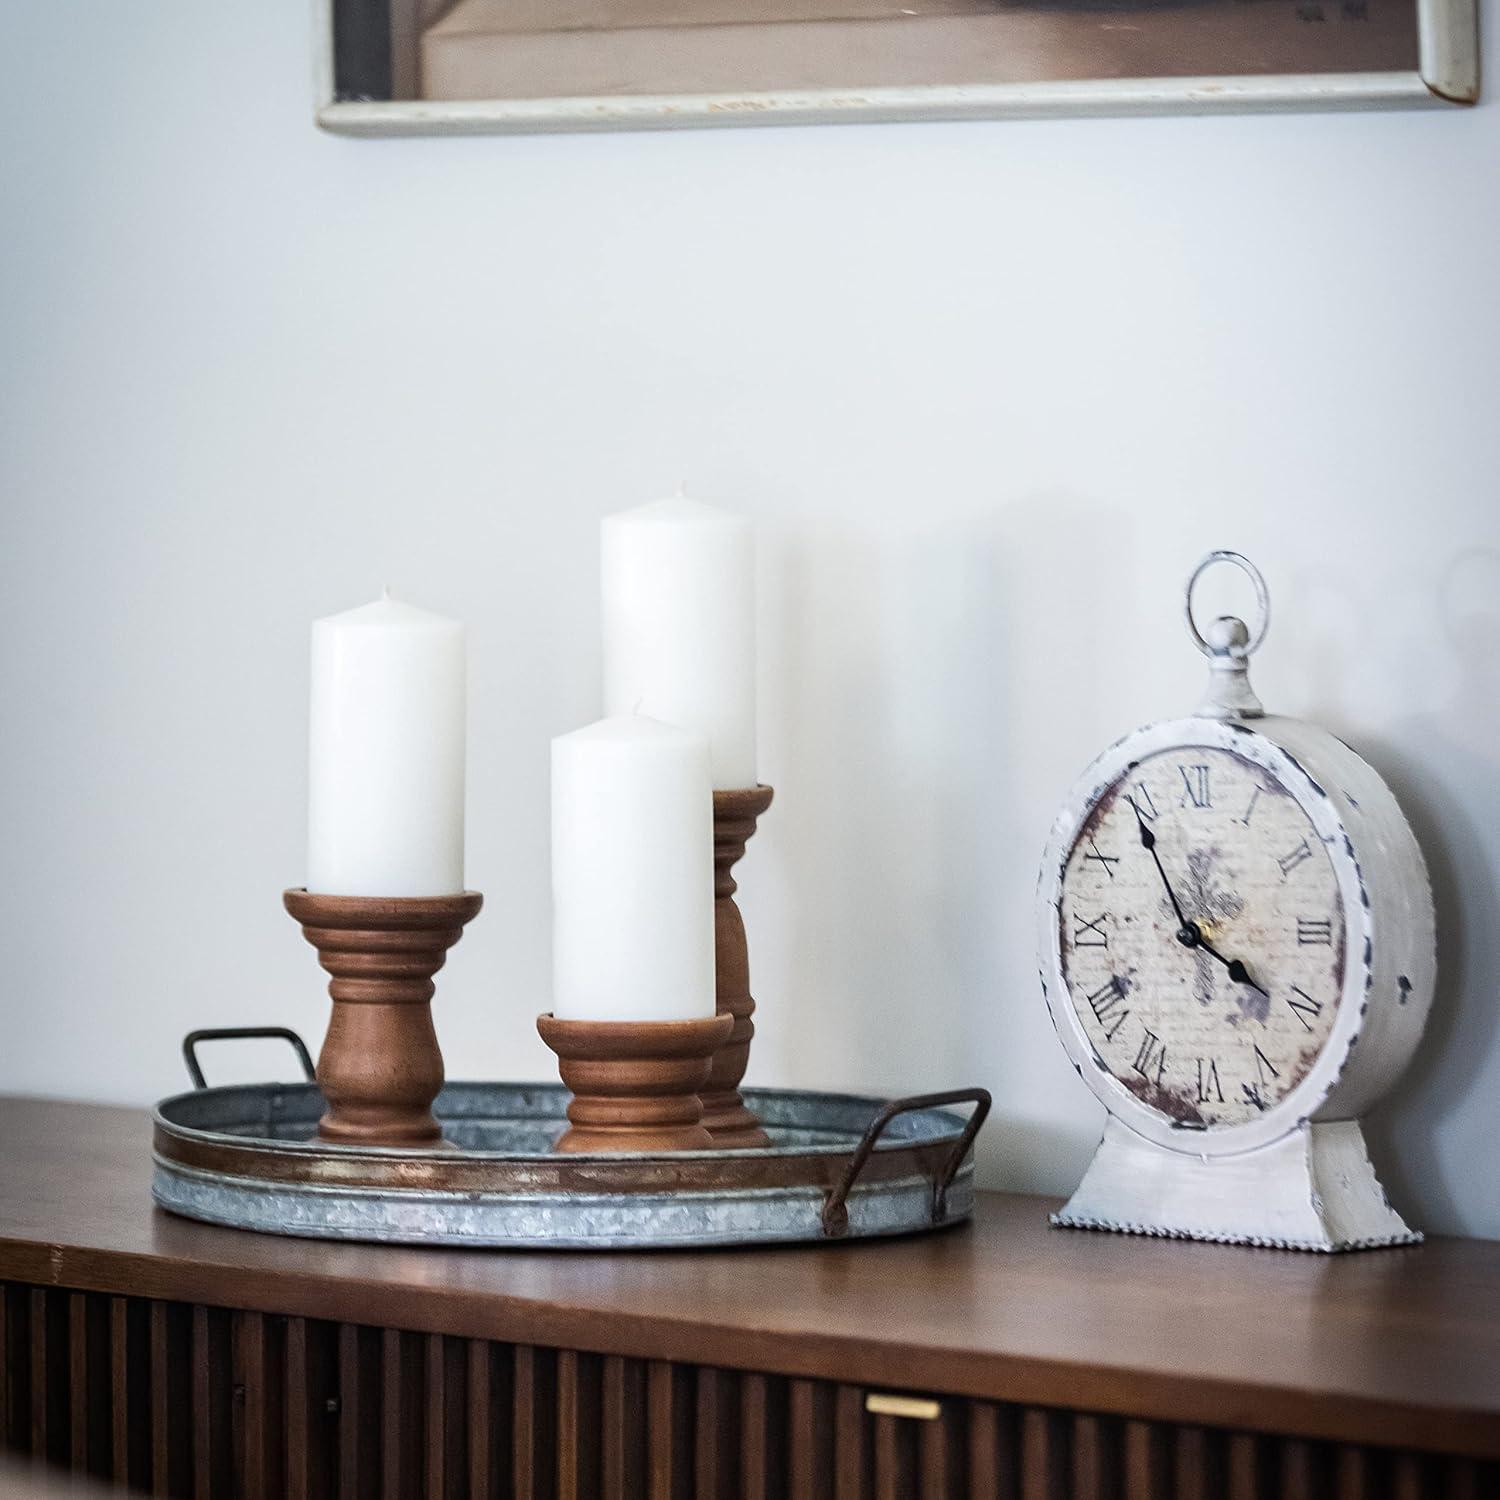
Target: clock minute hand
{"x":1148,"y":842}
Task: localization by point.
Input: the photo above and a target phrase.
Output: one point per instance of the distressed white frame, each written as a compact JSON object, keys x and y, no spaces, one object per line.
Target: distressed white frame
{"x":1448,"y":72}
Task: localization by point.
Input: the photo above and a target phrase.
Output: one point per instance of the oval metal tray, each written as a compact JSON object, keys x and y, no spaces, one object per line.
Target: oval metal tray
{"x":840,"y":1167}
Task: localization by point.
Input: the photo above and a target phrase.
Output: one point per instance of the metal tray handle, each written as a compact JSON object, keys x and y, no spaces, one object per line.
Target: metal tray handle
{"x":242,"y":1033}
{"x":836,"y":1204}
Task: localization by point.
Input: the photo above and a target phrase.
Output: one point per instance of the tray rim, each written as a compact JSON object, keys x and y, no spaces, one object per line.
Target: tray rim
{"x":879,"y":1215}
{"x":891,"y":1142}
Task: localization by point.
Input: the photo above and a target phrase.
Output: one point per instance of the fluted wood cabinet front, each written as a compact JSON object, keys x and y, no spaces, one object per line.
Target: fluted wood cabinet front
{"x":1002,"y":1359}
{"x":189,"y":1400}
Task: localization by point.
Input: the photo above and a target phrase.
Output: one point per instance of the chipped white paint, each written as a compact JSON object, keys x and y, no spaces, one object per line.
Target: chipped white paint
{"x":1260,"y":1165}
{"x":1448,"y":72}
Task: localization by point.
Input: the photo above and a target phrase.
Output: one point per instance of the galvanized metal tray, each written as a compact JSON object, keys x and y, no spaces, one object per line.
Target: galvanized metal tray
{"x":839,"y":1168}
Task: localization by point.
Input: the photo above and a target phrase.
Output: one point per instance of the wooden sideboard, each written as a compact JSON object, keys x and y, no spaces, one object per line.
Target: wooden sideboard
{"x":999,"y":1359}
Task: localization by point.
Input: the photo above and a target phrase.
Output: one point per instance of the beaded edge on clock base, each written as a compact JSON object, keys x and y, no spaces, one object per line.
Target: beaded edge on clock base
{"x":1411,"y":1237}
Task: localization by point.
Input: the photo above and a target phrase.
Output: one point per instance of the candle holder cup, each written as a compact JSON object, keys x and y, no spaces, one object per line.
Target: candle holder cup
{"x":380,"y":1067}
{"x":635,"y":1083}
{"x":725,"y":1116}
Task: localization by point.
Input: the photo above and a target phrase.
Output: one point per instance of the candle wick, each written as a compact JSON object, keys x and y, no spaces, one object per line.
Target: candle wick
{"x":385,"y":592}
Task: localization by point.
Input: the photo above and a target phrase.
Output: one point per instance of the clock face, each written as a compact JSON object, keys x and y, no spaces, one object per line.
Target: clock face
{"x":1202,"y":936}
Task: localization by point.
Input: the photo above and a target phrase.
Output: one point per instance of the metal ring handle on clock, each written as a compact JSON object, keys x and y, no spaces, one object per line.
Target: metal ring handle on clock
{"x":1262,"y":601}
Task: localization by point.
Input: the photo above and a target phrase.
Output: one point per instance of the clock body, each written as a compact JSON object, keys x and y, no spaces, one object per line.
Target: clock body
{"x":1307,"y":975}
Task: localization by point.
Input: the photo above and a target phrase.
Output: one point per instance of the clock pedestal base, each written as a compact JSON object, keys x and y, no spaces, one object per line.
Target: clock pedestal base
{"x":1314,"y":1189}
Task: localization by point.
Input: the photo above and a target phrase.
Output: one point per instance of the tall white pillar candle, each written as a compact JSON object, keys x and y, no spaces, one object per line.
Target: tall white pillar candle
{"x":386,"y":762}
{"x":679,"y":625}
{"x":632,"y":873}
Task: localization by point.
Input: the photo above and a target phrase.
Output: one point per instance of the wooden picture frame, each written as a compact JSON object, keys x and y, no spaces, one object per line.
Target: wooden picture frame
{"x":413,"y":67}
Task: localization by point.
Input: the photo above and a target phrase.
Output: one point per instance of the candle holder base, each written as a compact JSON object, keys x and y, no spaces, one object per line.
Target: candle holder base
{"x":635,"y":1083}
{"x":725,"y":1115}
{"x":730,"y":1122}
{"x":380,"y":1067}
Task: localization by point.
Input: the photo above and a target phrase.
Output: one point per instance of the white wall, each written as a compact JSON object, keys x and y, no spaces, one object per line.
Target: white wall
{"x":989,"y":390}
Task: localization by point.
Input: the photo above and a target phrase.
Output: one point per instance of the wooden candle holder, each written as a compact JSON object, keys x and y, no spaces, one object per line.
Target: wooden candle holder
{"x":635,"y":1083}
{"x":380,"y":1067}
{"x":725,"y":1116}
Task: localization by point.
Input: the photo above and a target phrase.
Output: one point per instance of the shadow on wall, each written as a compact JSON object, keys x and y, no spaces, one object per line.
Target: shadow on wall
{"x":930,"y":676}
{"x":1049,"y":688}
{"x":1446,"y":775}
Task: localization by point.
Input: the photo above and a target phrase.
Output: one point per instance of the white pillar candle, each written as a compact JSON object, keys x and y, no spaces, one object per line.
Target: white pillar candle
{"x":632,"y":873}
{"x":386,"y":762}
{"x":679,"y":625}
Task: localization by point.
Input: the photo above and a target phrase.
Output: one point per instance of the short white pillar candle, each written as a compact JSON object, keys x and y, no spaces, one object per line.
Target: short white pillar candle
{"x":678,"y":587}
{"x":632,"y":873}
{"x":386,"y":760}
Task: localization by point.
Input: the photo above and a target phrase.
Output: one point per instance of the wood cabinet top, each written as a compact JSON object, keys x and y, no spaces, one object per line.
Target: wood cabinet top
{"x":1399,"y":1347}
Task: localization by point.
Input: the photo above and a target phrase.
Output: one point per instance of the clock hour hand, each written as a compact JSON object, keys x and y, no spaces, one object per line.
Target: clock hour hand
{"x":1237,"y":971}
{"x":1148,"y":843}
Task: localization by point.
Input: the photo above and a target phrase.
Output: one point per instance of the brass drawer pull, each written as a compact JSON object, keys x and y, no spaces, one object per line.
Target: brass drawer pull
{"x":882,"y":1404}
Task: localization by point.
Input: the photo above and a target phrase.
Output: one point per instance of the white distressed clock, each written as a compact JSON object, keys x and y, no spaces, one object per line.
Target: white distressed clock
{"x":1235,"y":932}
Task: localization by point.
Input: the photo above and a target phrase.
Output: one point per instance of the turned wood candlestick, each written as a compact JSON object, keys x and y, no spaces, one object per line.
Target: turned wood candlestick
{"x":380,"y":1067}
{"x":725,"y":1116}
{"x":635,"y":1083}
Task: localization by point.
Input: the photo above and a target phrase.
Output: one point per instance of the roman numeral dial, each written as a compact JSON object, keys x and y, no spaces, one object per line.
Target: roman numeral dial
{"x":1195,"y":785}
{"x":1091,"y":932}
{"x":1151,"y":1057}
{"x":1314,"y":932}
{"x":1306,"y":1009}
{"x":1108,"y":1006}
{"x":1210,"y":1089}
{"x":1200,"y":932}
